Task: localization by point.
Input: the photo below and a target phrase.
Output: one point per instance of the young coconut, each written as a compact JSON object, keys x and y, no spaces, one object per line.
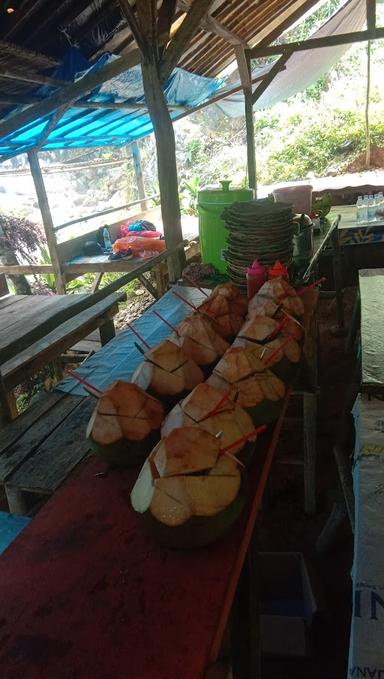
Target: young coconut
{"x":212,"y":410}
{"x":125,"y":424}
{"x":197,"y":506}
{"x":278,"y":290}
{"x":199,"y":341}
{"x":225,"y":314}
{"x":259,"y":391}
{"x":284,"y":362}
{"x":266,"y":307}
{"x":167,"y":371}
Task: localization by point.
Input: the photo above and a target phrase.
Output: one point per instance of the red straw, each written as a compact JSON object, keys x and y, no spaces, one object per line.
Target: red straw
{"x":276,"y":351}
{"x":186,"y":301}
{"x":86,"y":384}
{"x":278,"y":328}
{"x":312,"y":285}
{"x":220,"y":403}
{"x":165,"y":321}
{"x":244,"y":438}
{"x":196,"y":285}
{"x":138,"y":336}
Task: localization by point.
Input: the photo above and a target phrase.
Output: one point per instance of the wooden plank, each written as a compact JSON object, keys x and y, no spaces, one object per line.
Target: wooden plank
{"x":136,"y":157}
{"x":13,"y":431}
{"x":3,"y":286}
{"x":315,"y":43}
{"x":371,"y":285}
{"x":46,"y":216}
{"x":17,"y":453}
{"x":46,"y":469}
{"x":31,"y":77}
{"x":211,"y":25}
{"x":27,"y":269}
{"x":8,"y":300}
{"x":24,"y":313}
{"x":284,"y":19}
{"x":133,"y":590}
{"x":59,"y":340}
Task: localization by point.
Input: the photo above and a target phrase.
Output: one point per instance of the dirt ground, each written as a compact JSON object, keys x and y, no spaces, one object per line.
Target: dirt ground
{"x":283,"y":525}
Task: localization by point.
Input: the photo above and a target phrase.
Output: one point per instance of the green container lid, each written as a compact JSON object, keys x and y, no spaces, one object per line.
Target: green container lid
{"x":224,"y":195}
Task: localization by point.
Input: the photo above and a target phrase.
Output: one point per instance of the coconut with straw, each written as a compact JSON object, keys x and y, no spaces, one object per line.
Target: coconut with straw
{"x":189,"y":491}
{"x":167,"y":372}
{"x":199,"y":340}
{"x":125,"y":424}
{"x":213,"y":410}
{"x":259,"y":391}
{"x":279,"y":291}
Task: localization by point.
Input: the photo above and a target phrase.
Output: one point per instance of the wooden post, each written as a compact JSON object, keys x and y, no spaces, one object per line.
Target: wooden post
{"x":244,"y":66}
{"x":47,"y":218}
{"x":166,"y":164}
{"x":136,"y":157}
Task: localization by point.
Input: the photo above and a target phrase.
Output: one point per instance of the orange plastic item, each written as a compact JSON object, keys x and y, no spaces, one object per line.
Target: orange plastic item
{"x":139,"y":245}
{"x":278,"y":270}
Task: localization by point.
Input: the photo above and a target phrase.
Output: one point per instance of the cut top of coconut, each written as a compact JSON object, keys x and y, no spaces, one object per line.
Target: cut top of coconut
{"x":166,"y":355}
{"x":239,"y":363}
{"x":200,"y":329}
{"x":229,"y":290}
{"x":186,"y":450}
{"x":128,"y":400}
{"x":277,"y":288}
{"x":259,"y":328}
{"x":203,"y":399}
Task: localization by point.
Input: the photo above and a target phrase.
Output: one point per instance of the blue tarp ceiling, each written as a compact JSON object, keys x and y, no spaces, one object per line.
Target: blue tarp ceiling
{"x":85,"y":127}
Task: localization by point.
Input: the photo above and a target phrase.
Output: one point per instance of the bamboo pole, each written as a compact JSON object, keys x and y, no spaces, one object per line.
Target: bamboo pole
{"x":46,"y":216}
{"x":244,"y":66}
{"x":367,"y":101}
{"x":136,"y":157}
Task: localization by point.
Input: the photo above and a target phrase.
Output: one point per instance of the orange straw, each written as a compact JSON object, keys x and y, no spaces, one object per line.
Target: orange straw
{"x":276,"y":351}
{"x":190,"y":280}
{"x":244,"y":438}
{"x":166,"y":322}
{"x":89,"y":387}
{"x":138,"y":336}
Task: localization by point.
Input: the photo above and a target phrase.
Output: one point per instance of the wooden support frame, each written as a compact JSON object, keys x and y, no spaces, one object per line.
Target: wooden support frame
{"x":47,"y":218}
{"x":315,"y":43}
{"x":209,"y":24}
{"x":265,"y":83}
{"x":244,"y":66}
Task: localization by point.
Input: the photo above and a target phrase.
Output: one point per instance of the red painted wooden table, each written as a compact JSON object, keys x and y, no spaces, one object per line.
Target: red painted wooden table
{"x":86,"y":593}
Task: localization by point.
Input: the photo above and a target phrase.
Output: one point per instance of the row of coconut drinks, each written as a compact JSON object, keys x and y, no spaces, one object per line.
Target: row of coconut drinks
{"x":207,"y":400}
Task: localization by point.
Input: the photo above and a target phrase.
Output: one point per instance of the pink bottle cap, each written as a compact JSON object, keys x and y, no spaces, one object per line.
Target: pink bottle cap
{"x":256,"y":268}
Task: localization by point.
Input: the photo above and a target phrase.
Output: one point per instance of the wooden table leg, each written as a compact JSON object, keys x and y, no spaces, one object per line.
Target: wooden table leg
{"x":6,"y":410}
{"x":107,"y":331}
{"x":16,"y":501}
{"x":310,"y":451}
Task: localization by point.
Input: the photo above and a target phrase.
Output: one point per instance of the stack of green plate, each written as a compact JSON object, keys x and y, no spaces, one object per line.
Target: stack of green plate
{"x":258,"y":229}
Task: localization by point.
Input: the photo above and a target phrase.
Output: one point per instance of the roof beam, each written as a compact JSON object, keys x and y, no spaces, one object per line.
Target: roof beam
{"x":69,"y":93}
{"x":284,"y":20}
{"x":315,"y":43}
{"x":185,"y":33}
{"x":276,"y":68}
{"x":211,"y":25}
{"x":28,"y":77}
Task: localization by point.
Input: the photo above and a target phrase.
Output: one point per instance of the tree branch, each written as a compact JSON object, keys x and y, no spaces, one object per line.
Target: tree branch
{"x":133,"y":24}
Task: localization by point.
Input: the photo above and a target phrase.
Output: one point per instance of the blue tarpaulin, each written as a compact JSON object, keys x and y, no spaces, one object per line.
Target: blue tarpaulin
{"x":85,"y":127}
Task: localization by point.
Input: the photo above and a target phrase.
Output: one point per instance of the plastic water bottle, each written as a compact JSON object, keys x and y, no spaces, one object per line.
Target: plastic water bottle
{"x":371,"y":208}
{"x":107,"y":239}
{"x":379,"y":205}
{"x":365,"y":209}
{"x":359,"y":210}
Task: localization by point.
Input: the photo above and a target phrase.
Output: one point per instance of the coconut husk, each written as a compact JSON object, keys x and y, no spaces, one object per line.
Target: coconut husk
{"x":239,"y":363}
{"x":186,"y":450}
{"x":279,"y":291}
{"x":163,"y":383}
{"x":199,"y":340}
{"x":276,"y":312}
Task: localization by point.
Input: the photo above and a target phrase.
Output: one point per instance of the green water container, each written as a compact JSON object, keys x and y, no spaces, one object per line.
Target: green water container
{"x":212,"y":231}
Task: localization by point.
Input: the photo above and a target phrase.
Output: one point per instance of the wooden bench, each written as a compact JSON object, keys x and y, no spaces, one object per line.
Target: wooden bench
{"x":41,"y":447}
{"x":35,"y":330}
